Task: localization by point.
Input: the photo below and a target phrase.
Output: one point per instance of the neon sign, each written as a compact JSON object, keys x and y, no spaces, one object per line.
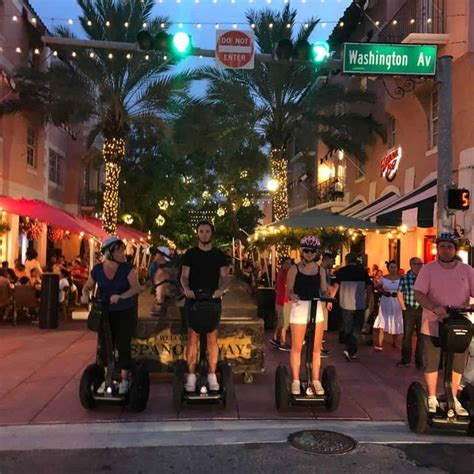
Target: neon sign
{"x":389,"y":164}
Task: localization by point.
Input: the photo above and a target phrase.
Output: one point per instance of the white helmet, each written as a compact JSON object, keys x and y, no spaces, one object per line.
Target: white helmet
{"x":109,"y":245}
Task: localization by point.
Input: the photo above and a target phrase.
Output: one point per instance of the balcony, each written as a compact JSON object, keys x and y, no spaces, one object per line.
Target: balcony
{"x":415,"y":17}
{"x":90,"y":200}
{"x":330,"y":190}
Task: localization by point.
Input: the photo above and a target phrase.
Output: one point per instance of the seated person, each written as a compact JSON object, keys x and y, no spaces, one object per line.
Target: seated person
{"x":4,"y":280}
{"x":10,"y":272}
{"x":23,"y":281}
{"x":20,"y":270}
{"x":64,"y":282}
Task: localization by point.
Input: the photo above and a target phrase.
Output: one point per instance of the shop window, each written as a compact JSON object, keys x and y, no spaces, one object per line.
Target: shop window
{"x":394,"y":250}
{"x":55,"y":167}
{"x":434,"y":118}
{"x":391,"y":136}
{"x":31,"y":147}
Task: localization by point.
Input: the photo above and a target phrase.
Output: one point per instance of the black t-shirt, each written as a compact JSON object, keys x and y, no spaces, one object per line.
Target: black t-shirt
{"x":204,"y":268}
{"x":353,"y":280}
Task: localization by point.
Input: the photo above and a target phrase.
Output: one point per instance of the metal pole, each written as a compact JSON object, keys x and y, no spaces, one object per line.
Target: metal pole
{"x":445,"y":141}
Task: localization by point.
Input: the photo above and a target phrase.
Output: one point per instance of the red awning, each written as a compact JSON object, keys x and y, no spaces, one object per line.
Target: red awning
{"x":124,"y":232}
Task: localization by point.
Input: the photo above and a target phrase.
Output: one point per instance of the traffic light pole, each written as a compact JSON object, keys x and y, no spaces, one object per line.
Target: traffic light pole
{"x":445,"y":142}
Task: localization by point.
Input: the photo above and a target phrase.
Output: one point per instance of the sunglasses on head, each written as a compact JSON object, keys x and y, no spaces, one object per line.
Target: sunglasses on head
{"x":309,"y":251}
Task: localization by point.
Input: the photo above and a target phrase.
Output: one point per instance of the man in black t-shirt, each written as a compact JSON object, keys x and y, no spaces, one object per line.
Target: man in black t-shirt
{"x":204,"y":268}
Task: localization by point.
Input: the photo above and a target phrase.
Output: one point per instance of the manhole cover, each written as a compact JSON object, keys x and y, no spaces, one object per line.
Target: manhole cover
{"x":322,"y":442}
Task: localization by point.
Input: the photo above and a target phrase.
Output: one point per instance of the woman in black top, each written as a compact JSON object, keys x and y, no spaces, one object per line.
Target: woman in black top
{"x":306,"y":280}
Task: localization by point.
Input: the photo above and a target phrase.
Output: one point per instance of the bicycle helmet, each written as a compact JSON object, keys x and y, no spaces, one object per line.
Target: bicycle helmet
{"x":310,"y":242}
{"x":448,"y":237}
{"x":109,"y":245}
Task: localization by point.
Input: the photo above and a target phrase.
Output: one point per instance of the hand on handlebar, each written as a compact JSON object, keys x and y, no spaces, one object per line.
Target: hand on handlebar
{"x":440,"y":312}
{"x":190,"y":294}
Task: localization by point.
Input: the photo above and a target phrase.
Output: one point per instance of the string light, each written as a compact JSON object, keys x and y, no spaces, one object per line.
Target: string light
{"x":220,"y":212}
{"x":163,"y":204}
{"x":160,"y":221}
{"x":114,"y":151}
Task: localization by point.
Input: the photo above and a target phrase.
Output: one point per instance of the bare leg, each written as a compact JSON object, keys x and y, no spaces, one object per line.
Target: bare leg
{"x":318,"y":340}
{"x":380,"y":337}
{"x":431,"y":379}
{"x":298,"y":332}
{"x":212,"y":351}
{"x":455,"y":383}
{"x":191,"y":350}
{"x":283,"y":336}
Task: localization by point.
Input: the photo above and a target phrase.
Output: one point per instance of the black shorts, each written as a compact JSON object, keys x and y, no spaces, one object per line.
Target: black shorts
{"x":432,"y":356}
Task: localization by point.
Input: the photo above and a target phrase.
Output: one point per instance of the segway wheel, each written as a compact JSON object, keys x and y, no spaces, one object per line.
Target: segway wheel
{"x":282,"y":388}
{"x":227,"y":384}
{"x":417,"y":408}
{"x":139,"y":387}
{"x":331,"y":388}
{"x":91,"y":380}
{"x":180,"y":369}
{"x":467,"y":399}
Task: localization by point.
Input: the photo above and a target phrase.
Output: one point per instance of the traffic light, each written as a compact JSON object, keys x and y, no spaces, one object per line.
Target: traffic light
{"x":459,"y":199}
{"x":302,"y":50}
{"x":175,"y":45}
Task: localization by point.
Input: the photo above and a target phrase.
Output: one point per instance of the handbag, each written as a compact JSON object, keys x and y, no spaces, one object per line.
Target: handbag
{"x":96,"y":313}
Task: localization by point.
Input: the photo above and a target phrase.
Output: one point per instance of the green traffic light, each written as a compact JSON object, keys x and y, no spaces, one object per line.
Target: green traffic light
{"x":320,"y":51}
{"x":182,"y":43}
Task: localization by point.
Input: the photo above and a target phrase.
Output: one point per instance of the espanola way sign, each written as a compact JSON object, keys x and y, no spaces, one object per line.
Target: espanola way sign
{"x":393,"y":59}
{"x":235,"y":49}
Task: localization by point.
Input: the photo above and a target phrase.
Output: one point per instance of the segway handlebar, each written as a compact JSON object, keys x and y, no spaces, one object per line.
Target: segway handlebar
{"x":325,"y":299}
{"x":458,"y":309}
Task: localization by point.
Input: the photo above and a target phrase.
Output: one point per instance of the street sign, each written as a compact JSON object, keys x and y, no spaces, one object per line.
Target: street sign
{"x":235,"y":49}
{"x":393,"y":59}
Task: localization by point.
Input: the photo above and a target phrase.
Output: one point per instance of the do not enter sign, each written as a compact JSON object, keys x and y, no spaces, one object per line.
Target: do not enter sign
{"x":234,"y":49}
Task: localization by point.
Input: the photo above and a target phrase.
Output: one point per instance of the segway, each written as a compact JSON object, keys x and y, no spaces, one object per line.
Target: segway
{"x":332,"y":392}
{"x":455,"y":334}
{"x":95,"y":374}
{"x":204,"y":317}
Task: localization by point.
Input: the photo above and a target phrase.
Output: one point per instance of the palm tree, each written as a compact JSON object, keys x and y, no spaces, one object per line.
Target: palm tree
{"x":115,"y":91}
{"x":287,"y":98}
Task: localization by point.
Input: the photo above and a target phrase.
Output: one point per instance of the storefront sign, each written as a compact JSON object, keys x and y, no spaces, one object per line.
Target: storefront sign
{"x":389,"y":164}
{"x":393,"y":59}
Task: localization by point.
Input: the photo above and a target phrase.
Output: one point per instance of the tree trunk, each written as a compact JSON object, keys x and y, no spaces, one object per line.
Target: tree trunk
{"x":280,"y":173}
{"x":114,"y":151}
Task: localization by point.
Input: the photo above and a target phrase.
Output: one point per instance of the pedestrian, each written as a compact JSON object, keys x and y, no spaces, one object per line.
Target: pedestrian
{"x":442,"y":283}
{"x":117,"y":284}
{"x":283,"y":307}
{"x":32,"y":262}
{"x":390,"y":317}
{"x":306,"y":280}
{"x":411,"y":315}
{"x":204,"y":269}
{"x":327,"y":262}
{"x":353,"y":283}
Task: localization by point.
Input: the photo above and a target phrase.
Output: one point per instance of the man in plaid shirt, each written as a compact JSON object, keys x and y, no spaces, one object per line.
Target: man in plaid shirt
{"x":412,"y":312}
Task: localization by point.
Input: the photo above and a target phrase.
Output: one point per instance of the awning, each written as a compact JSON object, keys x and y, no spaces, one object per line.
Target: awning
{"x":124,"y":232}
{"x":352,"y":208}
{"x":318,"y":218}
{"x":372,"y":209}
{"x":415,"y":209}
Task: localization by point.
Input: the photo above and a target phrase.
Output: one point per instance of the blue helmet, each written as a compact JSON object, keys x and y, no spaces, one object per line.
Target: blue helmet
{"x":448,"y":237}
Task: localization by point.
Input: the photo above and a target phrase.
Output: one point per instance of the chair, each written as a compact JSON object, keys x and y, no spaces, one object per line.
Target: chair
{"x":6,"y":301}
{"x":25,"y":301}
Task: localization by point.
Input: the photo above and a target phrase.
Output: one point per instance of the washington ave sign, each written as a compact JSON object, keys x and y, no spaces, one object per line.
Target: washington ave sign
{"x":393,"y":59}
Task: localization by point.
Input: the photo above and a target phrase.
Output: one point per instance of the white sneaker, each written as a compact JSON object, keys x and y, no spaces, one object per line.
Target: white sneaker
{"x":433,"y":404}
{"x":212,"y":382}
{"x":459,"y":409}
{"x":123,"y":387}
{"x":190,"y":385}
{"x":318,"y":388}
{"x":296,"y":387}
{"x":101,"y":389}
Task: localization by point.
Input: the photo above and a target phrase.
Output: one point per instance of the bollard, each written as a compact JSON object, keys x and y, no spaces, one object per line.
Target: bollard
{"x":49,"y":306}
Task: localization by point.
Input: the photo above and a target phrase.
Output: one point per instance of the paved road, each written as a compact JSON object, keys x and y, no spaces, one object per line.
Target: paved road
{"x":248,"y":458}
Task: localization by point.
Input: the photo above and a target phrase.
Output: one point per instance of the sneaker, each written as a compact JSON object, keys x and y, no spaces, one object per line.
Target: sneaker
{"x":347,"y":356}
{"x":296,"y":387}
{"x":433,"y":404}
{"x":101,"y":389}
{"x":353,"y":357}
{"x":285,"y":347}
{"x":324,"y":355}
{"x":318,"y":388}
{"x":325,"y":351}
{"x":378,"y":348}
{"x":190,"y":385}
{"x":212,"y":382}
{"x":403,"y":364}
{"x":459,"y":409}
{"x":274,"y":343}
{"x":123,"y":387}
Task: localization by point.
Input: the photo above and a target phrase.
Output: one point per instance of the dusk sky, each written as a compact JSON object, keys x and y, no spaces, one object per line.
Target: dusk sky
{"x":57,"y":12}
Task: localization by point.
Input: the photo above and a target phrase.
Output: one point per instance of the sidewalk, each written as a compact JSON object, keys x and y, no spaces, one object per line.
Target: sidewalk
{"x":41,"y":371}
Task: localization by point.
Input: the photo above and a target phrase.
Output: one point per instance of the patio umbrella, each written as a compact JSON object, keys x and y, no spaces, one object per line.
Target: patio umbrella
{"x":319,"y":218}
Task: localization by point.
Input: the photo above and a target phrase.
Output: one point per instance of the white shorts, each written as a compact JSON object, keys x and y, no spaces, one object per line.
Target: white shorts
{"x":300,"y":312}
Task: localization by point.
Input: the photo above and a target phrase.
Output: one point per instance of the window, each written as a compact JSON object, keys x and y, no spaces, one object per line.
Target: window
{"x":391,"y":137}
{"x":31,"y":147}
{"x":360,"y":168}
{"x":434,"y":119}
{"x":55,"y":167}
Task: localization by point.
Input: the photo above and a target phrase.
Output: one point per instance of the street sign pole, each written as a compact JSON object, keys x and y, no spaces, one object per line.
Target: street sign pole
{"x":445,"y":141}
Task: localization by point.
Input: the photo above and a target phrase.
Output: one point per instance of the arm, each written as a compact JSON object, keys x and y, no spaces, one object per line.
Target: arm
{"x":333,"y":290}
{"x":402,"y":286}
{"x":324,"y":286}
{"x":86,"y":289}
{"x":426,"y":303}
{"x":290,"y":284}
{"x":185,"y":270}
{"x":223,"y":281}
{"x":400,"y":300}
{"x":132,"y":291}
